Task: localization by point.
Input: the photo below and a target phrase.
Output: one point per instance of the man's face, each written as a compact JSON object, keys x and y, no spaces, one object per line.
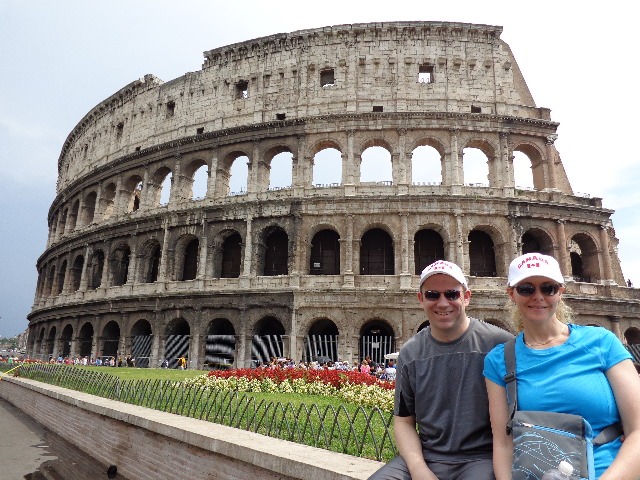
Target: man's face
{"x":447,"y":318}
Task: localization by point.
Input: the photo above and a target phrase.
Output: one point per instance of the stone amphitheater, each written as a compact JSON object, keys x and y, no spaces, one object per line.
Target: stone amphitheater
{"x":282,"y":200}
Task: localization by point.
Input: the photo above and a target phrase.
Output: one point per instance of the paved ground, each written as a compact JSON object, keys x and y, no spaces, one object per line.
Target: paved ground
{"x":31,"y":452}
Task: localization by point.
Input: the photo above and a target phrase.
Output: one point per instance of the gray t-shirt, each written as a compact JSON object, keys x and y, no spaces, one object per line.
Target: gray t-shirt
{"x":441,"y":384}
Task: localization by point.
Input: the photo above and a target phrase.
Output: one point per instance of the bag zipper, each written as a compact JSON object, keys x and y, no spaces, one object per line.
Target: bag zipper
{"x":549,"y":429}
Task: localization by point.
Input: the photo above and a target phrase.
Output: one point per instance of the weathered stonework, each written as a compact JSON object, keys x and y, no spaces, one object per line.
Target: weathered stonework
{"x":123,"y":272}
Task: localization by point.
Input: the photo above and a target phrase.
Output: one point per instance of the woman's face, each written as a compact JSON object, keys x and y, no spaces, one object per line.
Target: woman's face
{"x":536,"y":298}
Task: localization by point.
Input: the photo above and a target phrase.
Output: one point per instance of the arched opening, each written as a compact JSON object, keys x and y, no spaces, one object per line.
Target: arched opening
{"x":325,"y":253}
{"x":528,"y":167}
{"x":522,"y":172}
{"x":178,"y":333}
{"x":276,"y":253}
{"x":267,"y":341}
{"x":428,"y":247}
{"x":151,"y":262}
{"x":85,"y":340}
{"x":51,"y":279}
{"x":166,"y":181}
{"x":199,"y":185}
{"x":376,"y":253}
{"x":190,"y":264}
{"x":95,"y":270}
{"x":376,"y":340}
{"x":61,"y":278}
{"x":89,"y":208}
{"x":423,"y":325}
{"x":476,"y":167}
{"x":221,"y":344}
{"x":321,"y":343}
{"x":585,"y":265}
{"x":76,"y":273}
{"x":120,"y":265}
{"x":482,"y":256}
{"x":537,"y":241}
{"x":231,"y":256}
{"x":376,"y":166}
{"x":51,"y":342}
{"x":632,"y":336}
{"x":327,"y":168}
{"x":499,"y":323}
{"x":133,"y":187}
{"x":110,"y":340}
{"x":73,"y":215}
{"x":65,"y":341}
{"x":280,"y":172}
{"x":141,"y":341}
{"x":426,"y":166}
{"x":238,"y":176}
{"x":40,"y":345}
{"x":108,"y":201}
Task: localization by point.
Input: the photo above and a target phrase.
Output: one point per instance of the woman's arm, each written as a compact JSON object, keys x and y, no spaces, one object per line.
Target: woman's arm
{"x":502,"y":443}
{"x":625,"y":383}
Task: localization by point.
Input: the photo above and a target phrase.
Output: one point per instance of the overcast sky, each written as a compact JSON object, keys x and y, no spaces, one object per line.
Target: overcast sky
{"x":61,"y":58}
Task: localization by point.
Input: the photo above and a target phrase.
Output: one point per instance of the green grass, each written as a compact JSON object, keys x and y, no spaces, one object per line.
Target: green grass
{"x":130,"y":373}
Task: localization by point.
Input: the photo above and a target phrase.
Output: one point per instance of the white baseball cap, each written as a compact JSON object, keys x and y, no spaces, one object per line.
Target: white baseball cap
{"x":534,"y":265}
{"x":443,"y":267}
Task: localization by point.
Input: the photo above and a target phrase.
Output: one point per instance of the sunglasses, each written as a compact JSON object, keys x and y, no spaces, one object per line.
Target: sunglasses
{"x":547,"y":289}
{"x":434,"y":295}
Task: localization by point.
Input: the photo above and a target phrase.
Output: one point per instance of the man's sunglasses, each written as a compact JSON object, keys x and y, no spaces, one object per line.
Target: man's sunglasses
{"x":547,"y":289}
{"x":434,"y":295}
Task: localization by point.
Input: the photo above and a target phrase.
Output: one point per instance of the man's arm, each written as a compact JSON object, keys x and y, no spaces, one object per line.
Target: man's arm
{"x":410,"y":448}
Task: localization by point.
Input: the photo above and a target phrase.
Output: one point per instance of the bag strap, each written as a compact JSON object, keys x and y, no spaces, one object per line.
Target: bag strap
{"x":607,"y":435}
{"x":510,"y":380}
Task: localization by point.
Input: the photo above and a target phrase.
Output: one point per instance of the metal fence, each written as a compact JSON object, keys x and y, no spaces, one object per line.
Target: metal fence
{"x":354,"y":430}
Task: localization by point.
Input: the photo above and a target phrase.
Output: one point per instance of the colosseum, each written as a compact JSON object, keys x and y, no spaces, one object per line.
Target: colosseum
{"x":282,"y":200}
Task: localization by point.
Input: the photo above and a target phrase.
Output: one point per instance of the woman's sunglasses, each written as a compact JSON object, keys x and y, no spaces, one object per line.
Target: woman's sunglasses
{"x":547,"y":289}
{"x":434,"y":295}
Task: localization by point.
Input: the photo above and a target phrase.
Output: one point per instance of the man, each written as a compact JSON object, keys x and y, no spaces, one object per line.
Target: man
{"x":440,"y":387}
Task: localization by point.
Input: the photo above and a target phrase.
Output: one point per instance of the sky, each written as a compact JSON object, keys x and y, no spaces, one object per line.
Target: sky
{"x":59,"y":59}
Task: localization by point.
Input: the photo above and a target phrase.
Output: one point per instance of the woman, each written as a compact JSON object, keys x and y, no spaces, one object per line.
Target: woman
{"x":562,"y":367}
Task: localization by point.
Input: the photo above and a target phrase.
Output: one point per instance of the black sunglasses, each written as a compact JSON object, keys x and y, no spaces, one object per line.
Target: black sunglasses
{"x":434,"y":295}
{"x":547,"y":289}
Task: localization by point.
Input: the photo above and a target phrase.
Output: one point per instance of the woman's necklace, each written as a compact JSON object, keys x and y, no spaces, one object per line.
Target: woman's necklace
{"x":539,"y":344}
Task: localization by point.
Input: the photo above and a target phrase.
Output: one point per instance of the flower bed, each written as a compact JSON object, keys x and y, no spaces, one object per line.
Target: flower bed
{"x":352,"y":387}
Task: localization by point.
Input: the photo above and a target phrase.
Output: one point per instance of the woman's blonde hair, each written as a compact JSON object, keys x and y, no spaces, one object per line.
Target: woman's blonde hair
{"x":564,"y":313}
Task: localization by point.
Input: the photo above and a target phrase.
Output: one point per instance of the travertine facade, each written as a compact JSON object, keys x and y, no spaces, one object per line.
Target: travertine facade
{"x":311,"y":268}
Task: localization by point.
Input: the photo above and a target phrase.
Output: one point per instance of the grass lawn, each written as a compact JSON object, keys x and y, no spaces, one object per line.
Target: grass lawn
{"x":130,"y":373}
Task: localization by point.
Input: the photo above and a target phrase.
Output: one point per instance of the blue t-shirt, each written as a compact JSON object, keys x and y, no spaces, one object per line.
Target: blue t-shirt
{"x":569,"y":378}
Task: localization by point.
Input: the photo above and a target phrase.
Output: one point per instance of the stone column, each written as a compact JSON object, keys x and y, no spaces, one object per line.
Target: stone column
{"x":194,"y":350}
{"x":455,"y":169}
{"x":615,"y":327}
{"x":212,"y":170}
{"x":606,"y":256}
{"x":248,"y":249}
{"x":349,"y":281}
{"x":550,"y":163}
{"x":204,"y":249}
{"x":133,"y":263}
{"x":351,"y":171}
{"x":154,"y":361}
{"x":505,"y":167}
{"x":402,"y":164}
{"x":563,"y":255}
{"x":460,"y":242}
{"x":164,"y":256}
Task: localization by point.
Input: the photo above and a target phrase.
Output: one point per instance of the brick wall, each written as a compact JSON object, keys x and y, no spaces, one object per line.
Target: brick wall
{"x":148,"y":444}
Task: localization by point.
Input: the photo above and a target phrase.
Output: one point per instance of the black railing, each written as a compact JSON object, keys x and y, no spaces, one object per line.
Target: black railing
{"x":355,"y":430}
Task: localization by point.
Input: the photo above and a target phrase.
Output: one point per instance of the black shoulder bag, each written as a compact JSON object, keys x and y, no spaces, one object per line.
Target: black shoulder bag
{"x":541,"y":440}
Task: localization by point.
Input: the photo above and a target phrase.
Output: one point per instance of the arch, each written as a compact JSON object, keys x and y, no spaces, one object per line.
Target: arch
{"x":583,"y":252}
{"x":267,"y":341}
{"x":376,"y":253}
{"x":178,"y":334}
{"x":536,"y":240}
{"x":327,"y":167}
{"x":133,"y":189}
{"x":482,"y":256}
{"x":275,"y":252}
{"x":426,"y":165}
{"x":119,"y":264}
{"x":377,"y":339}
{"x":62,"y":273}
{"x":428,"y":247}
{"x":498,"y":323}
{"x":73,"y":215}
{"x":376,"y":165}
{"x":51,"y":278}
{"x":51,"y":342}
{"x":530,"y":161}
{"x":321,"y":342}
{"x":188,"y":266}
{"x":423,"y":325}
{"x":475,"y":165}
{"x":85,"y":339}
{"x":141,"y":342}
{"x":76,"y":273}
{"x":96,"y":268}
{"x":198,"y":179}
{"x":632,"y":336}
{"x":280,"y":171}
{"x":110,"y":339}
{"x":89,"y":208}
{"x":233,"y":174}
{"x":220,"y":344}
{"x":65,"y":341}
{"x":231,"y":258}
{"x":151,"y":257}
{"x":160,"y":186}
{"x":325,"y":253}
